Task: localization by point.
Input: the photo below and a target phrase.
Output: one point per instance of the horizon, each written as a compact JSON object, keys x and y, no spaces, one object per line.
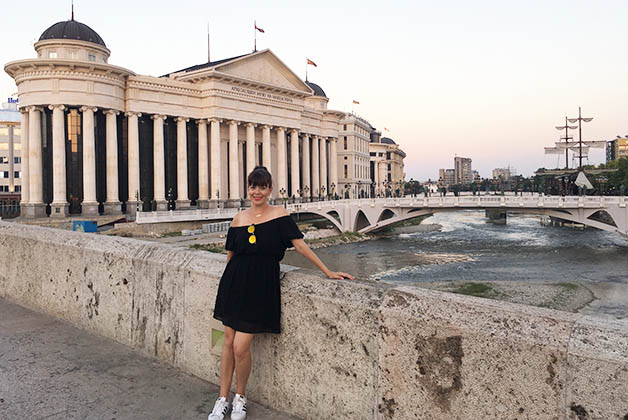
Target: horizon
{"x":490,"y":84}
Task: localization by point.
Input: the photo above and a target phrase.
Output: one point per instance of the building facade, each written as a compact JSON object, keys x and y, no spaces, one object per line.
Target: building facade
{"x":387,"y":167}
{"x":501,"y":173}
{"x":463,"y":173}
{"x":353,"y":156}
{"x":10,"y":150}
{"x":446,"y":177}
{"x":616,"y":149}
{"x":98,"y":138}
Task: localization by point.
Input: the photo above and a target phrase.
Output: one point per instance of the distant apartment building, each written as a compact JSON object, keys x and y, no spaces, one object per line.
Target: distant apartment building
{"x":463,"y":174}
{"x":10,"y":149}
{"x":386,"y":165}
{"x":616,"y":149}
{"x":501,"y":173}
{"x":446,"y":177}
{"x":353,"y":157}
{"x":476,"y":176}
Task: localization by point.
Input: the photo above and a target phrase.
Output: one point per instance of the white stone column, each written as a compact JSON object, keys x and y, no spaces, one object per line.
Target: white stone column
{"x":333,"y":165}
{"x":315,"y":168}
{"x":112,"y":203}
{"x":305,"y":146}
{"x":377,"y":180}
{"x":203,"y":165}
{"x":216,"y":156}
{"x":282,"y":183}
{"x":183,"y":200}
{"x":294,"y":163}
{"x":234,"y":170}
{"x":35,"y":206}
{"x":24,"y":141}
{"x":134,"y":162}
{"x":89,"y":206}
{"x":59,"y":205}
{"x":266,"y":149}
{"x":250,"y":150}
{"x":323,"y":164}
{"x":159,"y":174}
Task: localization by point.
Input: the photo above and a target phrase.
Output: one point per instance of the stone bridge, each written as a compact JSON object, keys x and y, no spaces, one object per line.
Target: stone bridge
{"x":371,"y":214}
{"x":368,"y":215}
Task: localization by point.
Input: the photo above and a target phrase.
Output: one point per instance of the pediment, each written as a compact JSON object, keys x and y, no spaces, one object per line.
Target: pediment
{"x":266,"y":68}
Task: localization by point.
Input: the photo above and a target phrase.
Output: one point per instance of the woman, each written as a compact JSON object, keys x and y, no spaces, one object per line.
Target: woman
{"x":248,"y":300}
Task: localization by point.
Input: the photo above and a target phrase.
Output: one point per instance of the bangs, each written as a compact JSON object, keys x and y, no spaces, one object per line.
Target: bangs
{"x":260,"y":177}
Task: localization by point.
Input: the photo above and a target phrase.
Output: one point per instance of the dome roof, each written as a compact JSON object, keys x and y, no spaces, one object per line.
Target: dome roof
{"x":387,"y":140}
{"x":71,"y":29}
{"x":318,"y":91}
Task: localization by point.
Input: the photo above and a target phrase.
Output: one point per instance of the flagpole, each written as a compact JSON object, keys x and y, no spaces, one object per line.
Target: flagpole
{"x":208,"y":56}
{"x":255,"y":36}
{"x":306,"y":69}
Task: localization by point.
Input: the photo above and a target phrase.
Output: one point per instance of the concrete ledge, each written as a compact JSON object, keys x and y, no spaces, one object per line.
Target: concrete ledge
{"x":349,"y":350}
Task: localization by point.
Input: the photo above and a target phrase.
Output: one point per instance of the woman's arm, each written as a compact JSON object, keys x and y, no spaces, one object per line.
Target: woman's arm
{"x":303,"y":249}
{"x":229,"y":255}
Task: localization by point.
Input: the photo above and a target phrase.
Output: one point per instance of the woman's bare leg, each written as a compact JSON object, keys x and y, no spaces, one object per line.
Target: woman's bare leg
{"x":227,"y":362}
{"x":242,"y":353}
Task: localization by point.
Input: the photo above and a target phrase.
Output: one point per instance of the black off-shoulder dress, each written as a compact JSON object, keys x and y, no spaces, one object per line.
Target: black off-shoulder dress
{"x":249,"y":297}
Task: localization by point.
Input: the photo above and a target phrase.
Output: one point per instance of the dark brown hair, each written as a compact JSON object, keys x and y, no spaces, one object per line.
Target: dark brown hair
{"x":260,"y":177}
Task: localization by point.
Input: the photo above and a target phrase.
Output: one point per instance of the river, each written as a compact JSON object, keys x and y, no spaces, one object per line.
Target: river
{"x":468,"y":247}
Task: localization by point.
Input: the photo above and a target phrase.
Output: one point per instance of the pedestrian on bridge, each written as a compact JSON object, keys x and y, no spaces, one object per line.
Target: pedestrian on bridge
{"x":248,"y":300}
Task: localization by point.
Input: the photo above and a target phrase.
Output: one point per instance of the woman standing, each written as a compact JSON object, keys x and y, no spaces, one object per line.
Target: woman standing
{"x":248,"y":300}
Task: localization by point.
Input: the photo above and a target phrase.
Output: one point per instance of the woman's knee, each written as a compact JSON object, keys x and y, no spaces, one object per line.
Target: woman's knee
{"x":241,"y":350}
{"x":229,"y":337}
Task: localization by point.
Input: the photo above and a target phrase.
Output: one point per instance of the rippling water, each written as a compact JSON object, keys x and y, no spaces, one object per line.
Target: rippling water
{"x":522,"y":250}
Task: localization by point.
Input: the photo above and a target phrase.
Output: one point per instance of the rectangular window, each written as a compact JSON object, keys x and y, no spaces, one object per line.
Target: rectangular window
{"x":18,"y":188}
{"x":17,"y":160}
{"x":344,"y":127}
{"x":52,"y":54}
{"x":387,"y":155}
{"x":16,"y":174}
{"x":389,"y":166}
{"x":373,"y":154}
{"x":91,"y":57}
{"x":345,"y":142}
{"x":346,"y":171}
{"x":5,"y":174}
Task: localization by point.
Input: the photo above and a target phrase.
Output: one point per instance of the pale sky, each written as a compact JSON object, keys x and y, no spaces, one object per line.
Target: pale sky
{"x":482,"y":79}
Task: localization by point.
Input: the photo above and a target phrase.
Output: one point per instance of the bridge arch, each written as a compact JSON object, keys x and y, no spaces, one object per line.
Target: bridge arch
{"x":361,"y":221}
{"x":386,"y":214}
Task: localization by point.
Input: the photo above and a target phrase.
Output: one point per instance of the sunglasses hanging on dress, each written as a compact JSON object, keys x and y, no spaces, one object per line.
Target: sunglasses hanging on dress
{"x":252,"y":238}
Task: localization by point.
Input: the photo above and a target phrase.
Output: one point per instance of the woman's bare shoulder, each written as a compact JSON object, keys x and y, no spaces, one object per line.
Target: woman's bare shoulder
{"x":279,"y":211}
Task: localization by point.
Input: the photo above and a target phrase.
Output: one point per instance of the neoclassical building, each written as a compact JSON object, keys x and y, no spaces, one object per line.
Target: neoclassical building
{"x":97,"y":137}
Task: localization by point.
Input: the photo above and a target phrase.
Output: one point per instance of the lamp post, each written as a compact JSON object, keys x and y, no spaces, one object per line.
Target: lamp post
{"x":306,"y":189}
{"x":282,"y":191}
{"x":333,"y":188}
{"x":323,"y":192}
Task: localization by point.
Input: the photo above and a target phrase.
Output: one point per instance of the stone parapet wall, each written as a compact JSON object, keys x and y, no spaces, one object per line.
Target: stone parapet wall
{"x":349,"y":350}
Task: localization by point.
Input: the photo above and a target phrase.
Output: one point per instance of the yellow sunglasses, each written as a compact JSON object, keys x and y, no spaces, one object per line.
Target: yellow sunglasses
{"x":252,"y":238}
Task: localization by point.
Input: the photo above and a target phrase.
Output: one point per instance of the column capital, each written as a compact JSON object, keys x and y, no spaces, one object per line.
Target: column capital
{"x":201,"y":121}
{"x":280,"y":129}
{"x":110,"y":111}
{"x":250,"y":124}
{"x":234,"y":122}
{"x":181,"y":119}
{"x":88,"y":108}
{"x":34,"y":108}
{"x":267,"y":126}
{"x":59,"y":106}
{"x":24,"y":110}
{"x":158,"y":117}
{"x":133,"y":114}
{"x":294,"y":131}
{"x":215,"y":120}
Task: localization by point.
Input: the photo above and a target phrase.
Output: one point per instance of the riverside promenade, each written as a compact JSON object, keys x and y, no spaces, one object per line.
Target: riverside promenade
{"x":52,"y":370}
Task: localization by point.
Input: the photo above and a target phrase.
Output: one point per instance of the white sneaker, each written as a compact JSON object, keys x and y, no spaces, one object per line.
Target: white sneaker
{"x":220,"y":409}
{"x":238,"y":412}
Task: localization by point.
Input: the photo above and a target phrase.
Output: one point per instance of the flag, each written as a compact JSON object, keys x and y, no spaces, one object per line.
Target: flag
{"x":259,"y":29}
{"x":356,"y":102}
{"x":310,"y":62}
